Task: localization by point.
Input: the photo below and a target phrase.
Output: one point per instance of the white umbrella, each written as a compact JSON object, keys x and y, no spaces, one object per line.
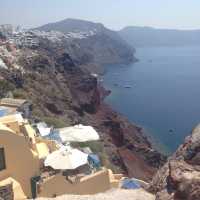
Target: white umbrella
{"x":78,"y":133}
{"x":66,"y":159}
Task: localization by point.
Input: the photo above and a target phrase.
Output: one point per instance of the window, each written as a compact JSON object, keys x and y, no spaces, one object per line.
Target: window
{"x":2,"y":159}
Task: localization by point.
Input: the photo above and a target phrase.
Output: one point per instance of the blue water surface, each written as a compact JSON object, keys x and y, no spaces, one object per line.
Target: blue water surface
{"x":161,"y":92}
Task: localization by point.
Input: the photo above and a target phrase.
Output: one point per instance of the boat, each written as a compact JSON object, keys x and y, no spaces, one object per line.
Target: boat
{"x":127,"y":86}
{"x":171,"y":131}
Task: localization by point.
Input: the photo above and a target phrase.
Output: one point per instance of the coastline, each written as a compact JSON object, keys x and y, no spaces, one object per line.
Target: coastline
{"x":153,"y":141}
{"x":155,"y":144}
{"x":126,"y":145}
{"x":154,"y":100}
{"x":129,"y":140}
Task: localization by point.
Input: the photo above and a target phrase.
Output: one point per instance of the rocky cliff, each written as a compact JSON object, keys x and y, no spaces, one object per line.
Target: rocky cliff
{"x":179,"y":178}
{"x":50,"y":70}
{"x":102,"y":45}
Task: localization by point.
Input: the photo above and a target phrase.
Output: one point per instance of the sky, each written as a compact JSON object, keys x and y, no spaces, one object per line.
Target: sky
{"x":114,"y":14}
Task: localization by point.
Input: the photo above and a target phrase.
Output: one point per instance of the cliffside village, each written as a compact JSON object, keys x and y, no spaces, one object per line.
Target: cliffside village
{"x":39,"y":161}
{"x":29,"y":38}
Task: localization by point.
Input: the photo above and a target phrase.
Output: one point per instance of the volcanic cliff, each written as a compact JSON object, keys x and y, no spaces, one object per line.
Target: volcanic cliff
{"x":51,"y":69}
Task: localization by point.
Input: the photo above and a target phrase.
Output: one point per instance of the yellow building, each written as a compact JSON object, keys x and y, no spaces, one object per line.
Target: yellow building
{"x":22,"y":155}
{"x":19,"y":153}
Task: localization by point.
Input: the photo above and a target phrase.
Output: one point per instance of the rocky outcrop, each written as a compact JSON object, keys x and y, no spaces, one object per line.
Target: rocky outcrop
{"x":125,"y":144}
{"x":179,"y":178}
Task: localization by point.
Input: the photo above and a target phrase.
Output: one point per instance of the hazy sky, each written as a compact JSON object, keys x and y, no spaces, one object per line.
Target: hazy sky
{"x":115,"y":14}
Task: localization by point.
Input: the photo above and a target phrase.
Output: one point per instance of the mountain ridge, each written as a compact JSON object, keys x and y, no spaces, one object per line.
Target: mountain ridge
{"x":150,"y":36}
{"x":70,"y":24}
{"x":106,"y":45}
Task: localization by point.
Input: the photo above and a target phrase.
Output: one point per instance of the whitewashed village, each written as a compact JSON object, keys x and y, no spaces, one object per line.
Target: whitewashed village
{"x":29,"y":38}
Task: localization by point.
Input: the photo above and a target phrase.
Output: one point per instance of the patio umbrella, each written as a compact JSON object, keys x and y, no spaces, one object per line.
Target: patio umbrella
{"x":66,"y":159}
{"x":78,"y":133}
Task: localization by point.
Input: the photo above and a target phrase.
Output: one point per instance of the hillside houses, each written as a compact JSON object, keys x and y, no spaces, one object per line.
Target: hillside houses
{"x":31,"y":38}
{"x":24,"y":154}
{"x":24,"y":39}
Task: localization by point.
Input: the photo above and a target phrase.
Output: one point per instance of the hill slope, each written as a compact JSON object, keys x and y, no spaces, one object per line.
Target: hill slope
{"x":72,"y":25}
{"x":49,"y":69}
{"x":103,"y":45}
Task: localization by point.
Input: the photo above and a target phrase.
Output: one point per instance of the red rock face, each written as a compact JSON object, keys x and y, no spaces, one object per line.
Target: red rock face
{"x":136,"y":166}
{"x":125,"y":144}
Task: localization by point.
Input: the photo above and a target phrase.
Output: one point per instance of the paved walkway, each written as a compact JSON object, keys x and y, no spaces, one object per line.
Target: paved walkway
{"x":111,"y":195}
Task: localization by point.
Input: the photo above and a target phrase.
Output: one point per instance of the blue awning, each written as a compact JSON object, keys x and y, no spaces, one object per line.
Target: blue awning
{"x":94,"y":160}
{"x":130,"y":184}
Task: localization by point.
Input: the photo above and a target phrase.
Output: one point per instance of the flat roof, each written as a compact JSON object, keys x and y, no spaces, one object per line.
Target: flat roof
{"x":12,"y":118}
{"x":12,"y":102}
{"x":5,"y":128}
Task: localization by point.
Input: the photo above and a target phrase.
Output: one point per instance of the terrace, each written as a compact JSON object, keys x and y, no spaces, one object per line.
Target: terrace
{"x":53,"y":168}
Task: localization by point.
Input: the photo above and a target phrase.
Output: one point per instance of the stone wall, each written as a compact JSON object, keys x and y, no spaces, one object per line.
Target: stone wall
{"x":58,"y":185}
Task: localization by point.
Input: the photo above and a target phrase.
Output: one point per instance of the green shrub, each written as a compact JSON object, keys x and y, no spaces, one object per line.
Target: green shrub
{"x":53,"y":121}
{"x":5,"y":87}
{"x":107,"y":163}
{"x":19,"y":93}
{"x":97,"y":148}
{"x":37,"y":113}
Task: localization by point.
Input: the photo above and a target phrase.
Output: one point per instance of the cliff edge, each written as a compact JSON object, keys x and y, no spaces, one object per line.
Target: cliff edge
{"x":51,"y":70}
{"x":179,"y":178}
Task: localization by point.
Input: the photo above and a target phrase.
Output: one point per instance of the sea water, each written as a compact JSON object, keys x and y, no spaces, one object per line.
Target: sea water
{"x":161,"y":92}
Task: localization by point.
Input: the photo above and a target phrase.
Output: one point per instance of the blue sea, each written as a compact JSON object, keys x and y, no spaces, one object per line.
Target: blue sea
{"x":161,"y":92}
